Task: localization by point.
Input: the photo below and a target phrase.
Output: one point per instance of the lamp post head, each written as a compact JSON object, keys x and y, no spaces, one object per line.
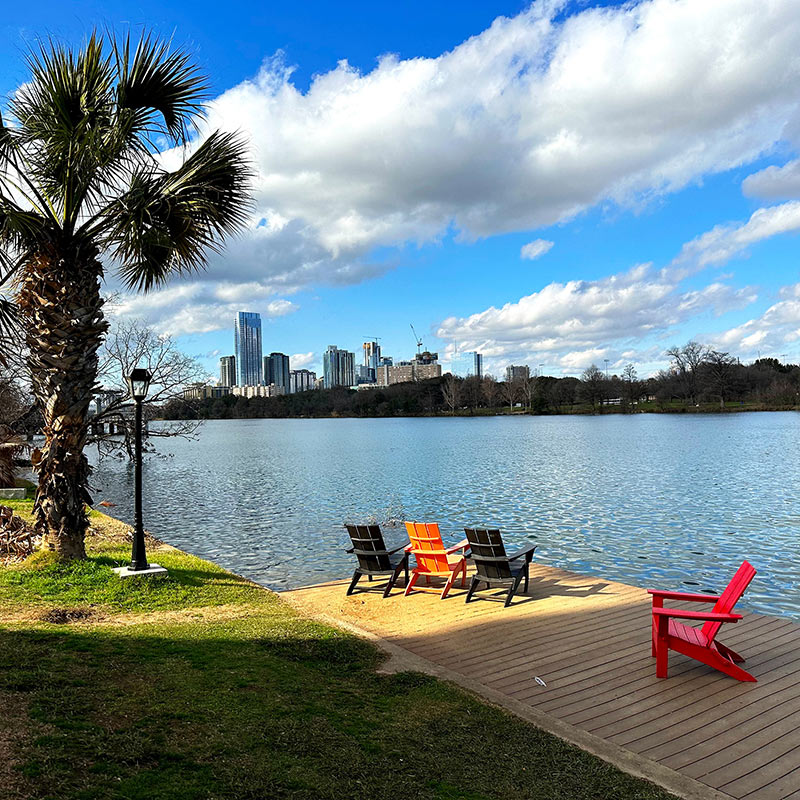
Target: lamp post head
{"x":139,"y":383}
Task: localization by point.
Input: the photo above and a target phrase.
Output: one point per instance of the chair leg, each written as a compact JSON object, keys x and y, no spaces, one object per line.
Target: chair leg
{"x":527,"y":571}
{"x":726,"y":651}
{"x":463,"y":574}
{"x":512,"y":590}
{"x":728,"y":667}
{"x":392,"y":580}
{"x":449,"y":583}
{"x":662,"y":658}
{"x":472,"y":587}
{"x":410,"y":583}
{"x":352,"y":586}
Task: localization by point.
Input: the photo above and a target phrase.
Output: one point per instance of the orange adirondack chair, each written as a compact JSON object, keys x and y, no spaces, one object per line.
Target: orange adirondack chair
{"x":700,"y":643}
{"x":433,"y":558}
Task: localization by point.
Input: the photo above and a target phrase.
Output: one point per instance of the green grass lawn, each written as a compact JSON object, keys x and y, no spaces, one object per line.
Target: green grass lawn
{"x":203,"y":685}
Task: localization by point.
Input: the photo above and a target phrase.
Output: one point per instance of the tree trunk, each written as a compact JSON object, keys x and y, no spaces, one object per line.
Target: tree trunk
{"x":61,"y":307}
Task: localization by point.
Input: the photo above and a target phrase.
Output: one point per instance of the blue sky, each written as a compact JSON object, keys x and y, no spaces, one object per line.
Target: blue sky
{"x":650,"y":147}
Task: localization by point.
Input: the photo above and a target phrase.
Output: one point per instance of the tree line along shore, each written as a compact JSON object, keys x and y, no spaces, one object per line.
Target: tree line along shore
{"x":713,"y":383}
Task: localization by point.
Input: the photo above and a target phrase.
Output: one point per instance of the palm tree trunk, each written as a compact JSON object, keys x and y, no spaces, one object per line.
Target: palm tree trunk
{"x":61,"y":307}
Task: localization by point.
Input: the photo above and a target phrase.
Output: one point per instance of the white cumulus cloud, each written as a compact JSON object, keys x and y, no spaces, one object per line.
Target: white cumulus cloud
{"x":536,"y":248}
{"x":576,"y":323}
{"x":723,"y":242}
{"x":199,"y":307}
{"x":523,"y":125}
{"x":774,"y":183}
{"x":772,"y":333}
{"x":303,"y":360}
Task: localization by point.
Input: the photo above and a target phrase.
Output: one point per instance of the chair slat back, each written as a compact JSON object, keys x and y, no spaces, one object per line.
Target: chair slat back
{"x":728,"y":599}
{"x":369,"y":547}
{"x":488,"y":553}
{"x":428,"y":548}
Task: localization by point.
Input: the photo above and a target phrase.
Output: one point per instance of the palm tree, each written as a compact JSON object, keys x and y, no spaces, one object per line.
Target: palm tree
{"x":82,"y":186}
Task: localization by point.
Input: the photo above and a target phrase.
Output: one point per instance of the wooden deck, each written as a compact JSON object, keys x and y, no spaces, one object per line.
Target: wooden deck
{"x":698,"y":733}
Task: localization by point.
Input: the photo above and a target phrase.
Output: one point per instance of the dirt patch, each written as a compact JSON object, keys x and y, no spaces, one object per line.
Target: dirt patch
{"x":90,"y":616}
{"x":63,"y":616}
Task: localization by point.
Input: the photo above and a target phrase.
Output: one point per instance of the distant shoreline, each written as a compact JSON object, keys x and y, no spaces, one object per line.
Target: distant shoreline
{"x":705,"y":409}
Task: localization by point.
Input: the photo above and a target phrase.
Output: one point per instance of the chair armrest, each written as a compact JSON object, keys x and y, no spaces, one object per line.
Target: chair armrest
{"x":351,"y":550}
{"x":462,"y":545}
{"x":697,"y":598}
{"x":406,"y":546}
{"x":525,"y":551}
{"x":706,"y":616}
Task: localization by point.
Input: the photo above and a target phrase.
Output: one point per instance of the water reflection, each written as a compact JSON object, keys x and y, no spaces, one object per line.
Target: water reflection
{"x":669,"y":501}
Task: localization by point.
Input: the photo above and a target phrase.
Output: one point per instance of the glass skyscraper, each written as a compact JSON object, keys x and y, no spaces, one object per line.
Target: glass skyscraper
{"x":227,"y":371}
{"x":247,"y":333}
{"x":276,"y":370}
{"x":465,"y":365}
{"x":338,"y":367}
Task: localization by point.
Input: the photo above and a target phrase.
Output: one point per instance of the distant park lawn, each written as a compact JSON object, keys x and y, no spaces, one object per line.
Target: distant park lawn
{"x":204,"y":685}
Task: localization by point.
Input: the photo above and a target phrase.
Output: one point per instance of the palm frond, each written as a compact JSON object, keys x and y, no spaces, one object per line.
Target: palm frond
{"x":7,"y":144}
{"x":163,"y":90}
{"x":166,"y":221}
{"x":65,"y":113}
{"x":19,"y":229}
{"x":9,"y":321}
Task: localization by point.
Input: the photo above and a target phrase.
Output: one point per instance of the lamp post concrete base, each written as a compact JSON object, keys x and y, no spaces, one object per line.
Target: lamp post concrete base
{"x":127,"y":572}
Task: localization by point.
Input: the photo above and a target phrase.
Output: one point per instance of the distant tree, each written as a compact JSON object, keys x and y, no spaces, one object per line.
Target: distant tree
{"x":451,"y":392}
{"x":131,"y":343}
{"x":489,"y":390}
{"x":719,"y":374}
{"x":528,"y":389}
{"x":686,"y":362}
{"x":13,"y":401}
{"x":633,"y":387}
{"x":593,"y":386}
{"x":472,"y":392}
{"x":510,"y":391}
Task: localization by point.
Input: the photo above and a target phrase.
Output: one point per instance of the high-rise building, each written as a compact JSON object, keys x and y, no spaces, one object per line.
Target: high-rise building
{"x":227,"y":371}
{"x":302,"y":380}
{"x":247,"y":334}
{"x":338,"y":367}
{"x":364,"y":374}
{"x":372,"y":355}
{"x":466,"y":365}
{"x":276,"y":370}
{"x":423,"y":367}
{"x":518,"y":373}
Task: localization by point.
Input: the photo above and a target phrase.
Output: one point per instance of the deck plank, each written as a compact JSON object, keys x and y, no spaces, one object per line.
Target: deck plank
{"x":589,"y":639}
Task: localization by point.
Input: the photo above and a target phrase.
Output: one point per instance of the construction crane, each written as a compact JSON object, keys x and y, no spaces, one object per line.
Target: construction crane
{"x":417,"y":340}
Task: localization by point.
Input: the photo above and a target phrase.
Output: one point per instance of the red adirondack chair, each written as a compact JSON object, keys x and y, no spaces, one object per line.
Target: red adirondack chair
{"x":700,"y":643}
{"x":434,"y":559}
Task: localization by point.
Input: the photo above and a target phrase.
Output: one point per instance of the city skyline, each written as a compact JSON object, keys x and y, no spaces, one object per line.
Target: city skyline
{"x":601,"y":201}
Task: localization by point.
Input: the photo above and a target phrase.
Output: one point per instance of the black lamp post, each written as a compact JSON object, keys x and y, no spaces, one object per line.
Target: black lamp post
{"x":138,"y":384}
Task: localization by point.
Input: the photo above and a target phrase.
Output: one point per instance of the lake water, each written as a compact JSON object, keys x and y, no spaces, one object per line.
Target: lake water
{"x":673,"y":501}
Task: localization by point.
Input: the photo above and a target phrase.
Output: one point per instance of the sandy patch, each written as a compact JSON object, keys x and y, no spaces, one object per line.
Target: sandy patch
{"x":88,"y":617}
